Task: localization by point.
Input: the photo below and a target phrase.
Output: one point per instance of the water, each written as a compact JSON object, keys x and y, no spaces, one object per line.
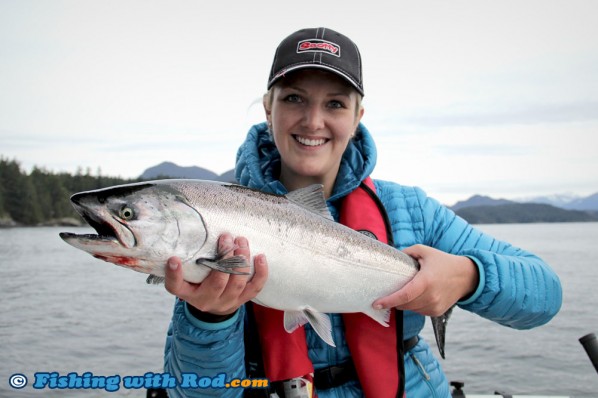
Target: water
{"x":63,"y":311}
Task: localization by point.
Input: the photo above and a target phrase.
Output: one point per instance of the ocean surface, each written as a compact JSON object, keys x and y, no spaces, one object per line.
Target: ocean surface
{"x":63,"y":311}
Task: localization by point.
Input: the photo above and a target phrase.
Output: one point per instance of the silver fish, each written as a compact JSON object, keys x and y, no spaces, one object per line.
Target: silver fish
{"x":315,"y":265}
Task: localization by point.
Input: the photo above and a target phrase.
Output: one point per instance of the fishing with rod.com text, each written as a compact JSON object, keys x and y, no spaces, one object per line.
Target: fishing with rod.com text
{"x":87,"y":380}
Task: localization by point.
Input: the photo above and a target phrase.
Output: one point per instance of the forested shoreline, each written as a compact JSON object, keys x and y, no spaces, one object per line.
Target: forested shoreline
{"x":41,"y":197}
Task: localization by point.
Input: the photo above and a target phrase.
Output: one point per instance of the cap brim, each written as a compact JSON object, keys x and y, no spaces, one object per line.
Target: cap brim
{"x":337,"y":72}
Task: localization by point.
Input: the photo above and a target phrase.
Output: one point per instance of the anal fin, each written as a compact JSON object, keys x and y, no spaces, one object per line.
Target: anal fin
{"x":380,"y":316}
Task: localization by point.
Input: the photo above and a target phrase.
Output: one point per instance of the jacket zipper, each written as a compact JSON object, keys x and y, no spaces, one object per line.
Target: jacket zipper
{"x":423,"y":372}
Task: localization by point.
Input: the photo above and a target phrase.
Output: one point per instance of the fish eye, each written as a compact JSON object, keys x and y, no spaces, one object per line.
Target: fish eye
{"x":126,"y":213}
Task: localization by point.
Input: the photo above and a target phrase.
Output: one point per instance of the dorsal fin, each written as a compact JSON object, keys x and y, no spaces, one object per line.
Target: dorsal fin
{"x":311,"y":198}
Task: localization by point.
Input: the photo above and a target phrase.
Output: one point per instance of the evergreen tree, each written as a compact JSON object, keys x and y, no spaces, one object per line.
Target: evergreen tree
{"x":42,"y":195}
{"x":3,"y":212}
{"x":20,"y":197}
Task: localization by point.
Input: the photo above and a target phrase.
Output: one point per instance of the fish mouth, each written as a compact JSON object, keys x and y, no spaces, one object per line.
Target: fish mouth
{"x":103,"y":247}
{"x":83,"y":240}
{"x":106,"y":235}
{"x":104,"y":230}
{"x":109,"y":244}
{"x":110,"y":231}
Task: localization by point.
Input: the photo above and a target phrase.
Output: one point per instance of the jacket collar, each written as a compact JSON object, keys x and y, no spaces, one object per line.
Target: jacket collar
{"x":258,"y":162}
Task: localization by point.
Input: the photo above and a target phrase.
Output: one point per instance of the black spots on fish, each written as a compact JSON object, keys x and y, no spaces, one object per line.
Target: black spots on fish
{"x":121,"y":190}
{"x":342,"y":251}
{"x":254,"y":193}
{"x":102,"y":196}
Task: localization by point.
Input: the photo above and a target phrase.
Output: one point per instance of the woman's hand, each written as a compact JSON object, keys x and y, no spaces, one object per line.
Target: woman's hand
{"x":443,"y":280}
{"x":219,"y":293}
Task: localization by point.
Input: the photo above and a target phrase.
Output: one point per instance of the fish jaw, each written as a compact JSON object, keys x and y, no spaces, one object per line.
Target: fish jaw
{"x":108,"y":249}
{"x":98,"y":215}
{"x":114,"y":241}
{"x":159,"y":225}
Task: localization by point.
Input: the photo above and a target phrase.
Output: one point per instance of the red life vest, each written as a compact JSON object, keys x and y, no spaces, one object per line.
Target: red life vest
{"x":374,"y":348}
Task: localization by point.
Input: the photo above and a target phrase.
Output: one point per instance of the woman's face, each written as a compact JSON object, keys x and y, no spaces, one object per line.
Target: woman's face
{"x":313,"y":116}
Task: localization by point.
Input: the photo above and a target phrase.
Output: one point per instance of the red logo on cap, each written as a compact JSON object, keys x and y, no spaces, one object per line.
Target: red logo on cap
{"x":317,"y":45}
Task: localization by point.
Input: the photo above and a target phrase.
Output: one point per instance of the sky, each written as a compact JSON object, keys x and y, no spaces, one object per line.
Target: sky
{"x":462,"y":97}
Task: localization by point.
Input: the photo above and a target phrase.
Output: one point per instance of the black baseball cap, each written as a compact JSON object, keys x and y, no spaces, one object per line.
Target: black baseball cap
{"x":319,"y":48}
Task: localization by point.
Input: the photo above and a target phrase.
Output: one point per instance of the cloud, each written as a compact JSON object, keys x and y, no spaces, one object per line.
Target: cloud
{"x":482,"y":150}
{"x":534,"y":114}
{"x":457,"y":94}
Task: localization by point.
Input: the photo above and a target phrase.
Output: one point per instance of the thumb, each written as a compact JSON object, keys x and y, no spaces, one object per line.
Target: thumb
{"x":404,"y":297}
{"x":173,"y":275}
{"x":415,"y":251}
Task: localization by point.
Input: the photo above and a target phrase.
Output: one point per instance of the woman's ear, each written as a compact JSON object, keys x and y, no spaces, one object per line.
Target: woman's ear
{"x":267,"y":106}
{"x":358,"y":116}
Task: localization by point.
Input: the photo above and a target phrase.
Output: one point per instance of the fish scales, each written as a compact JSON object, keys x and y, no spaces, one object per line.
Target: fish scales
{"x":315,"y":265}
{"x":306,"y":254}
{"x":276,"y":214}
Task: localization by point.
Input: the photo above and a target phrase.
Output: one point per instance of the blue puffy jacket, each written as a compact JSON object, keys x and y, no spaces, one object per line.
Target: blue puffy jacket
{"x":516,"y":288}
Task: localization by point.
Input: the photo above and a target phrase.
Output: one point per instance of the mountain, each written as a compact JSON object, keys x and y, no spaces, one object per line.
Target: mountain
{"x":229,"y":176}
{"x":485,"y":210}
{"x":480,"y":200}
{"x":587,"y":203}
{"x":566,"y":201}
{"x":522,"y":213}
{"x":172,"y":170}
{"x":478,"y":209}
{"x":558,"y":200}
{"x":563,"y":201}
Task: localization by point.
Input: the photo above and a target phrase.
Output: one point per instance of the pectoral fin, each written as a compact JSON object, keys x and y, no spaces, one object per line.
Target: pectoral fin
{"x":154,"y":280}
{"x":319,"y":321}
{"x":226,"y":265}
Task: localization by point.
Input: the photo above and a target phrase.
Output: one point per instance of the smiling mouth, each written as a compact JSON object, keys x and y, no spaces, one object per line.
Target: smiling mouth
{"x":310,"y":142}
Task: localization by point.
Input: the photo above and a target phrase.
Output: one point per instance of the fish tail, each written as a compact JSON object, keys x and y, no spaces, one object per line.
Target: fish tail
{"x":439,"y":326}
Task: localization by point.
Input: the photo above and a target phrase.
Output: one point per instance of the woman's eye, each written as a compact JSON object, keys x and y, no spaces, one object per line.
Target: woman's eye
{"x":336,"y":104}
{"x":126,"y":213}
{"x":294,"y":98}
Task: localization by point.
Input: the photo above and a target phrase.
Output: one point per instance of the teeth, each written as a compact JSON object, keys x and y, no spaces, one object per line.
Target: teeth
{"x":308,"y":142}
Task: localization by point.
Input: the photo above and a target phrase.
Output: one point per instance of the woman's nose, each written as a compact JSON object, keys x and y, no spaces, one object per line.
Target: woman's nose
{"x":313,"y":118}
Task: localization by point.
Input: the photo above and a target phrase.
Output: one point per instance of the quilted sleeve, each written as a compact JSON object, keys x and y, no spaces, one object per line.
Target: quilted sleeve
{"x":517,"y":288}
{"x":196,"y":349}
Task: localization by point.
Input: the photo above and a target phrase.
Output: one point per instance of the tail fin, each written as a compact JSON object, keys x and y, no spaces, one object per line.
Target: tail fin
{"x":439,"y":325}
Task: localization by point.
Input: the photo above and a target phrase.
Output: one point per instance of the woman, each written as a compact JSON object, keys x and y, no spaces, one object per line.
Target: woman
{"x":314,"y":135}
